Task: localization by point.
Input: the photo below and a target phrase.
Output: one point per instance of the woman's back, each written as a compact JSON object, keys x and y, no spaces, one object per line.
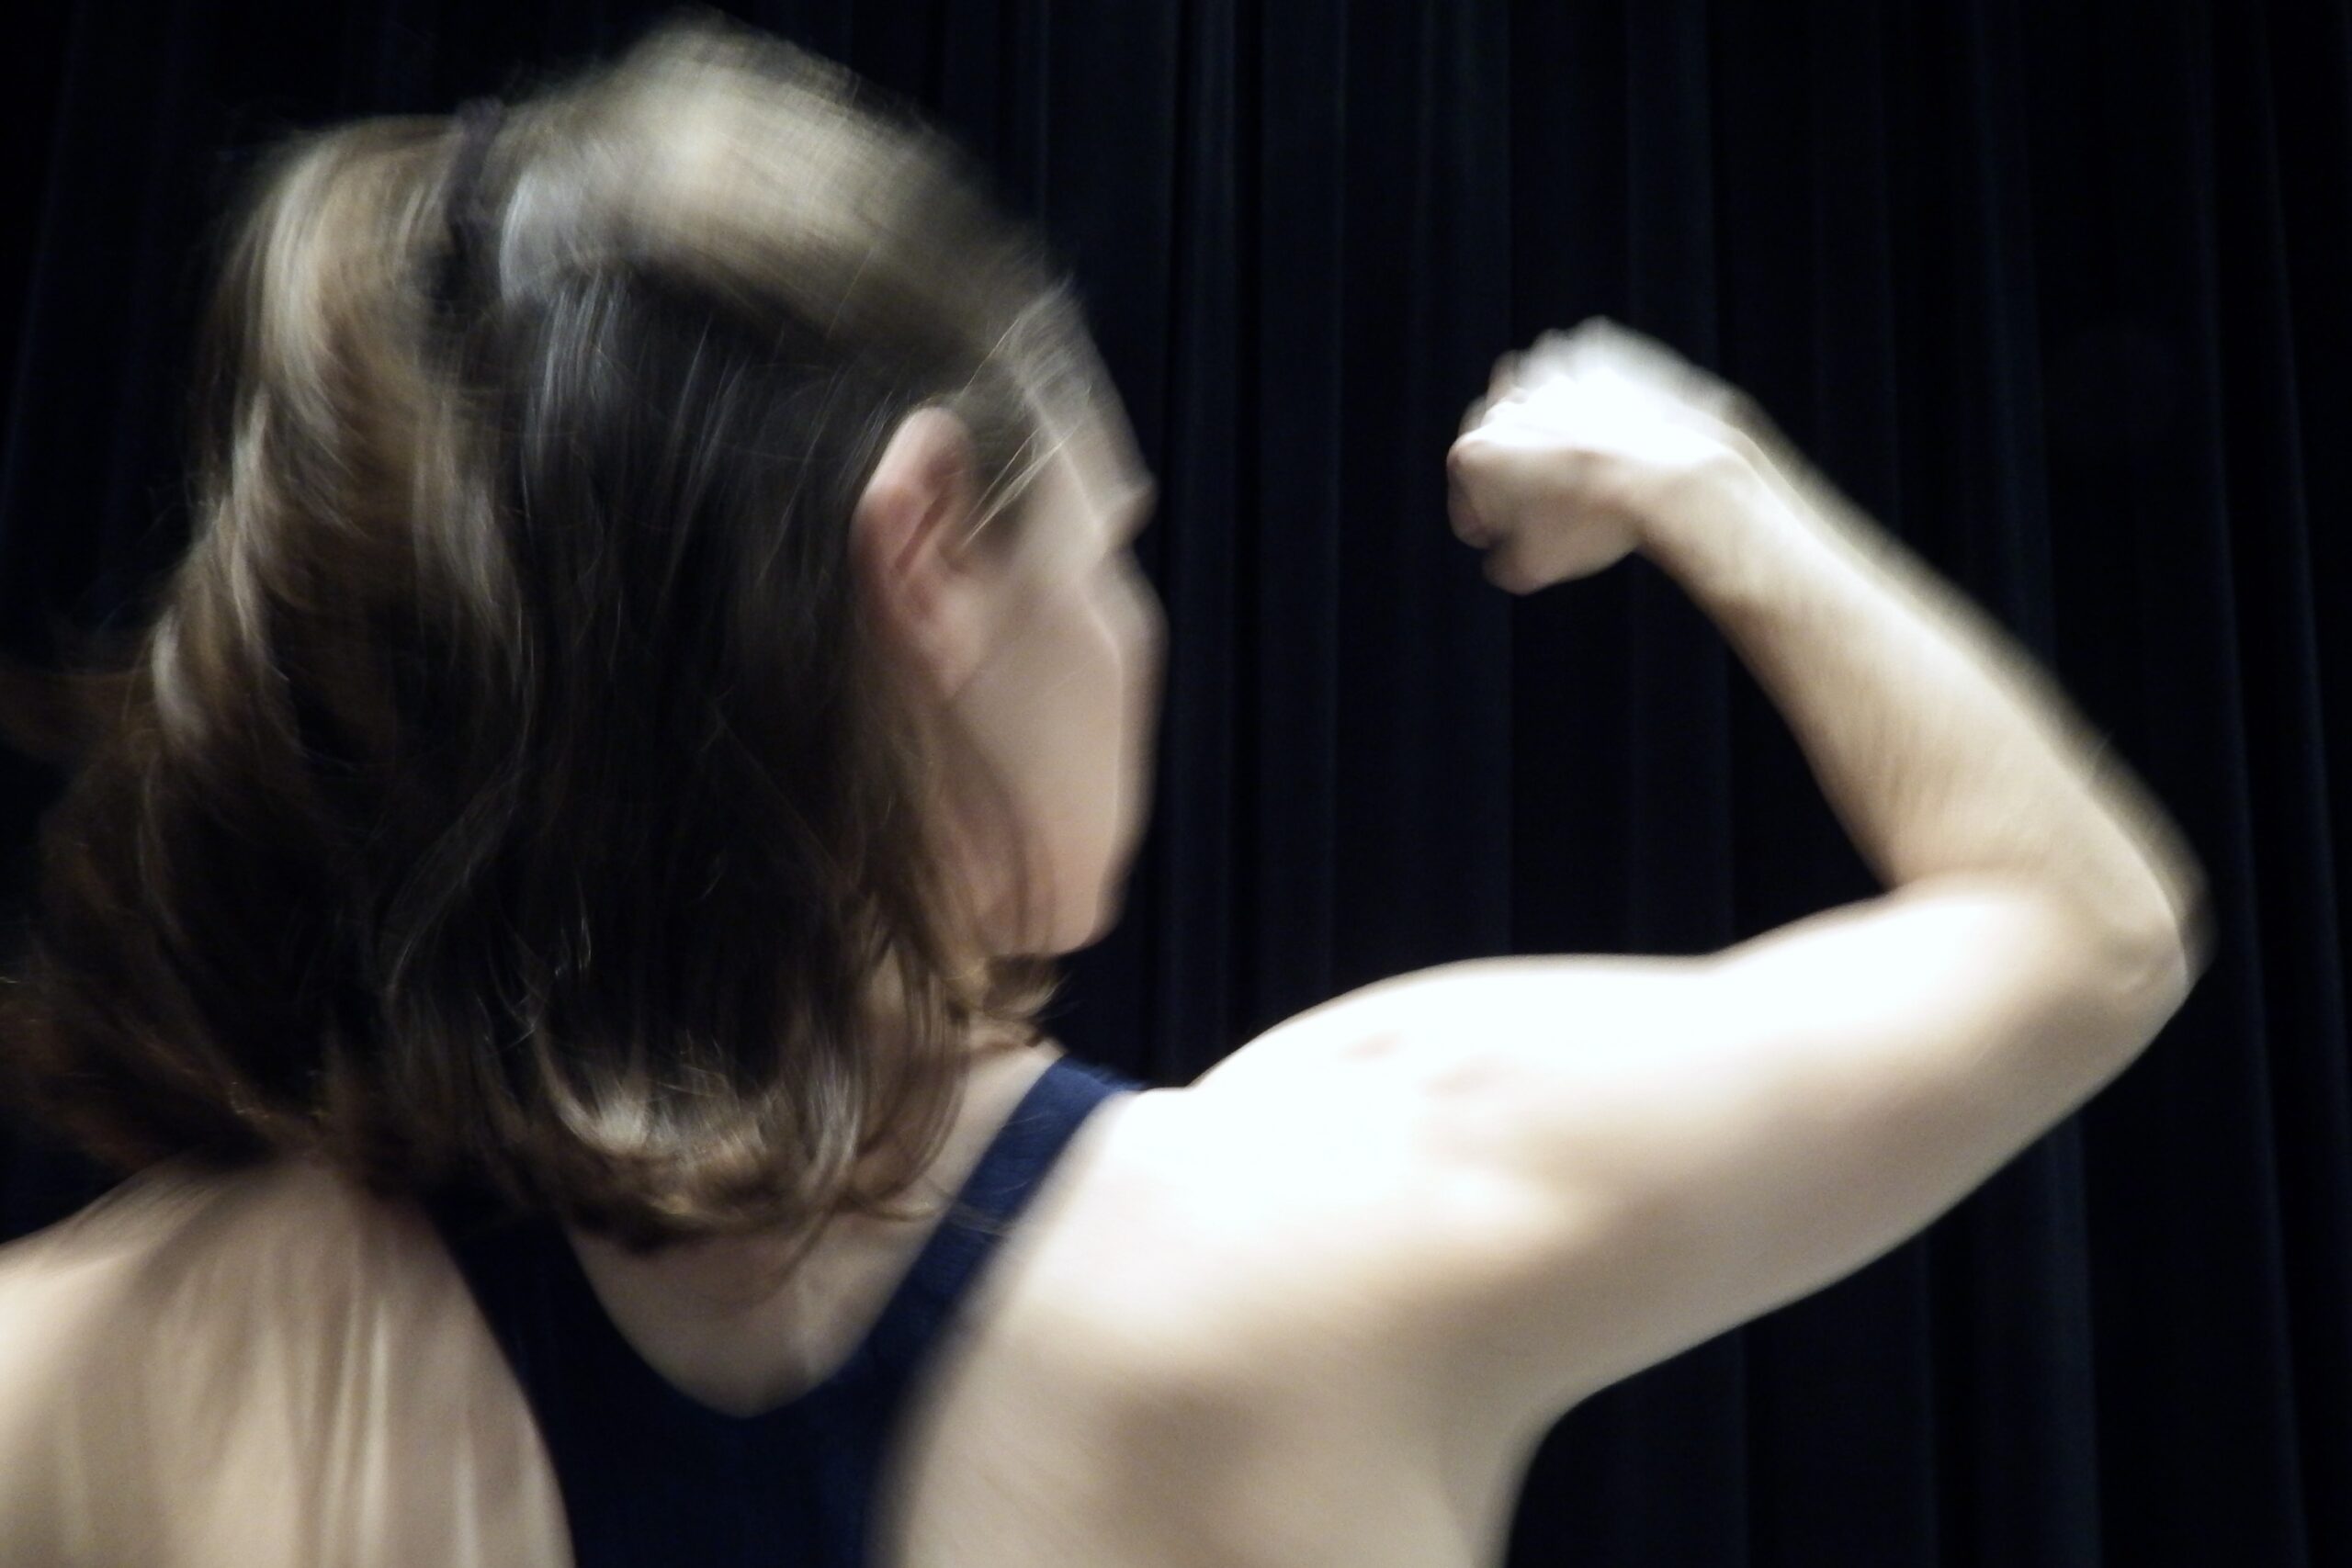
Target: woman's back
{"x":272,"y":1367}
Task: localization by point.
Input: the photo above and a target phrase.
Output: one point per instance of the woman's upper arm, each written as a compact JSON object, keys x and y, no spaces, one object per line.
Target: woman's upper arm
{"x":1552,"y":1172}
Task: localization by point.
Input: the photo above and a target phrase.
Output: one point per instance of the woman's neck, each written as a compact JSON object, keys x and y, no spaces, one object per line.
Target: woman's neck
{"x":711,"y":1316}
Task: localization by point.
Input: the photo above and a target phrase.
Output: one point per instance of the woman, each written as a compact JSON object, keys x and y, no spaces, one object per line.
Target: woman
{"x":559,"y":896}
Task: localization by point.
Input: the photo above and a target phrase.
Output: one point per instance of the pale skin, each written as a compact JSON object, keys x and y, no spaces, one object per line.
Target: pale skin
{"x":1301,"y":1296}
{"x":1318,"y":1306}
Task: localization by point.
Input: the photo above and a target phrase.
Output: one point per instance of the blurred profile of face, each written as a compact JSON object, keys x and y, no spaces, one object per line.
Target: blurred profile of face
{"x":1045,"y":646}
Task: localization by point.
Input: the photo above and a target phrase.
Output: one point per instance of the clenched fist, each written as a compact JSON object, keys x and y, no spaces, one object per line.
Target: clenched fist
{"x":1580,"y":442}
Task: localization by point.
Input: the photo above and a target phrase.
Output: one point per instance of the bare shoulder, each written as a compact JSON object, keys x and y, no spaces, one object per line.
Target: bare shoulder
{"x":1264,"y":1251}
{"x":179,"y":1228}
{"x":286,"y":1254}
{"x":1200,"y":1227}
{"x":268,"y":1333}
{"x":135,"y":1251}
{"x":1181,"y":1354}
{"x":124,"y":1328}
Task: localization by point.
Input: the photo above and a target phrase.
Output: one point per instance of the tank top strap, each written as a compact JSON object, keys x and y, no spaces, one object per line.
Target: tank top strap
{"x":649,"y":1475}
{"x":1007,"y":1175}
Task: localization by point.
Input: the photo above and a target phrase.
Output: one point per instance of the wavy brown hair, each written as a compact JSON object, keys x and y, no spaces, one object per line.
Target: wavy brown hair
{"x":509,"y":786}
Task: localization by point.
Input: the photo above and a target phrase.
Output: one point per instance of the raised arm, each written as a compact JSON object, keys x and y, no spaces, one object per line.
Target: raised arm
{"x":1611,"y":1159}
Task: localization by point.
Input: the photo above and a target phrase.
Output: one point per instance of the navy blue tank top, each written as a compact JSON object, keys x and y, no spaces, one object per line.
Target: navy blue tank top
{"x":651,"y":1477}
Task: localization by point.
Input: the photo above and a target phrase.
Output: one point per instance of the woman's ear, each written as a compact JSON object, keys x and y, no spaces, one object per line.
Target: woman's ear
{"x":907,"y":532}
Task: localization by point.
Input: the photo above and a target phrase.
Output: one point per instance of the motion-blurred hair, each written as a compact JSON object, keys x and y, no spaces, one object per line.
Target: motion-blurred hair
{"x":509,"y":784}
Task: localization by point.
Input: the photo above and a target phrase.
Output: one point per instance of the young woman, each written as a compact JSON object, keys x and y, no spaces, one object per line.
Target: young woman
{"x":554,"y":905}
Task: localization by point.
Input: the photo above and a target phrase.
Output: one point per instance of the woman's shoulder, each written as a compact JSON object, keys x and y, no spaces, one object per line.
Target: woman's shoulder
{"x":182,"y":1272}
{"x":179,"y":1233}
{"x":275,"y":1331}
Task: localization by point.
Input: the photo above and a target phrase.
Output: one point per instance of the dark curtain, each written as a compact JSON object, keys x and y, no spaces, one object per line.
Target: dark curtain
{"x":2062,"y":293}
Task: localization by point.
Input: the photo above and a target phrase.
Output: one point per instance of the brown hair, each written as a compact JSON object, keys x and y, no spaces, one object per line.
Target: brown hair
{"x":509,"y":786}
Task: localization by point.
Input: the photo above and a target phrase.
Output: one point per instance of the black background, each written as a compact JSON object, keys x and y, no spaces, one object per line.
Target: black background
{"x":2059,"y":292}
